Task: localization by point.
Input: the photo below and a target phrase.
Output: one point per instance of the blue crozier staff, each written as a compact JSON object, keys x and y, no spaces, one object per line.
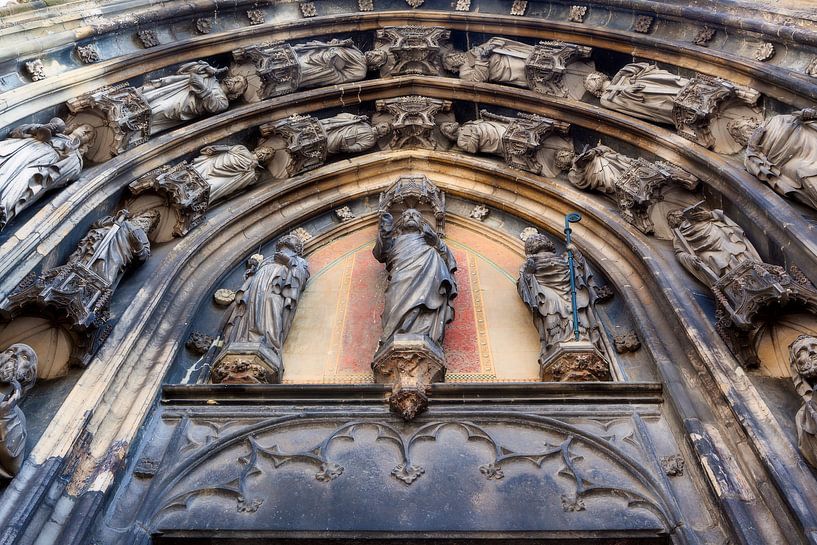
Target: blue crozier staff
{"x":572,"y":217}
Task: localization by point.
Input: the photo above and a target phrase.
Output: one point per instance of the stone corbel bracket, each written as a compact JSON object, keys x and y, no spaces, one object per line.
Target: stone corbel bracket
{"x":525,"y":136}
{"x":548,"y":63}
{"x":305,"y":140}
{"x":410,"y":363}
{"x":412,"y":120}
{"x":416,"y":192}
{"x":247,"y":363}
{"x":413,"y":50}
{"x":750,"y":291}
{"x":574,"y":361}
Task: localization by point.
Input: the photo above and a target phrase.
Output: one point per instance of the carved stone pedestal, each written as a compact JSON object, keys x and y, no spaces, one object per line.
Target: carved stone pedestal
{"x":643,"y":185}
{"x":574,"y":361}
{"x":748,"y":292}
{"x":119,"y":114}
{"x":525,"y":136}
{"x":303,"y":138}
{"x":548,"y":63}
{"x":271,"y":70}
{"x":247,"y":363}
{"x":411,"y":363}
{"x":184,"y":191}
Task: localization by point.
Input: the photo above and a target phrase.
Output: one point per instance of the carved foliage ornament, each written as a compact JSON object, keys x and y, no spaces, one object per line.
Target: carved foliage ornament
{"x":88,"y":54}
{"x":577,"y":14}
{"x":519,"y":7}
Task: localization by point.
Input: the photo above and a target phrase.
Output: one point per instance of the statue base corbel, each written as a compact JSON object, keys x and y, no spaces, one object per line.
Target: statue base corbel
{"x":247,"y":363}
{"x":411,"y":363}
{"x":271,"y":70}
{"x":548,"y":62}
{"x":574,"y":361}
{"x":746,"y":293}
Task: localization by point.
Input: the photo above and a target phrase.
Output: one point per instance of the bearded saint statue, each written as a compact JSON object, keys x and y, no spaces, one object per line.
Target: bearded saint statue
{"x":189,"y":94}
{"x":421,"y":285}
{"x":18,"y":372}
{"x":544,"y":286}
{"x":330,"y":63}
{"x":783,"y":153}
{"x":36,"y":158}
{"x":228,"y":169}
{"x":709,"y":244}
{"x":266,"y":303}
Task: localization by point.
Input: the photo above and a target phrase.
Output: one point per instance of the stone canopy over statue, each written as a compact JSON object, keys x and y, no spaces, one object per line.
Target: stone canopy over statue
{"x":783,"y":153}
{"x":419,"y":294}
{"x":262,"y":316}
{"x":569,"y":351}
{"x":710,"y":111}
{"x":36,"y":158}
{"x":18,"y":372}
{"x":716,"y":251}
{"x":124,"y":116}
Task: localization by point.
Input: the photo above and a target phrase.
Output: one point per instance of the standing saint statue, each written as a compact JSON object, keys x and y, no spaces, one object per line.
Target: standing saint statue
{"x":228,"y":169}
{"x":803,"y":360}
{"x":498,"y":60}
{"x":709,"y":244}
{"x":421,"y":284}
{"x":262,"y":315}
{"x":544,"y":286}
{"x":189,"y":94}
{"x":113,"y":243}
{"x":18,"y":372}
{"x":36,"y":158}
{"x":330,"y":63}
{"x":783,"y":153}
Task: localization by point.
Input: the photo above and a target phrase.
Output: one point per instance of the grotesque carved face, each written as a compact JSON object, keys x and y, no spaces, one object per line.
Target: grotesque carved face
{"x":18,"y":362}
{"x":803,"y":353}
{"x":596,"y":83}
{"x":234,"y":86}
{"x":411,"y":220}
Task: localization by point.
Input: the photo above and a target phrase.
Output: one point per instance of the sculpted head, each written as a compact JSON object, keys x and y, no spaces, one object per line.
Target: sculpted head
{"x":19,"y":362}
{"x":564,"y":159}
{"x":675,"y":218}
{"x":382,"y":129}
{"x":84,"y":132}
{"x":596,"y":83}
{"x":453,"y":61}
{"x":742,"y":129}
{"x":262,"y":155}
{"x":290,"y":244}
{"x":450,"y":130}
{"x":538,"y":243}
{"x":234,"y":86}
{"x":376,"y":58}
{"x":410,"y":220}
{"x":803,"y":356}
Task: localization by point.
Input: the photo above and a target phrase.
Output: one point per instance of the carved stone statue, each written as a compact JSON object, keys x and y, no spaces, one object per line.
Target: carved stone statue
{"x":124,"y":116}
{"x":276,"y":69}
{"x":300,"y":143}
{"x":419,"y":294}
{"x":641,"y":189}
{"x":36,"y":158}
{"x":527,"y":142}
{"x":803,"y":360}
{"x":710,"y":111}
{"x":783,"y":153}
{"x":421,"y":277}
{"x":189,"y":94}
{"x":262,"y":315}
{"x":18,"y":372}
{"x":183,"y":193}
{"x":709,"y":244}
{"x":408,"y":50}
{"x":76,"y":296}
{"x":748,"y":291}
{"x":544,"y":286}
{"x":552,"y":68}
